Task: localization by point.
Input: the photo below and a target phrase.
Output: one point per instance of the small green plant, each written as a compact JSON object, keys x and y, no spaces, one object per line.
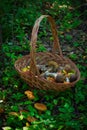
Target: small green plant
{"x":73,"y":56}
{"x":68,"y":37}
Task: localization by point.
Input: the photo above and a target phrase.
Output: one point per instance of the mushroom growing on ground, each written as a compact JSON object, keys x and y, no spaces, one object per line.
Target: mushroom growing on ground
{"x":40,"y":106}
{"x":23,"y":111}
{"x":29,"y":94}
{"x":14,"y":113}
{"x":31,"y":119}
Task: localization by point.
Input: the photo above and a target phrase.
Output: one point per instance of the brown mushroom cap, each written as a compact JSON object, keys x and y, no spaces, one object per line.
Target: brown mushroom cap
{"x":40,"y":106}
{"x":31,"y":97}
{"x":29,"y":94}
{"x":14,"y":113}
{"x":23,"y":111}
{"x":53,"y":63}
{"x":67,"y":68}
{"x":31,"y":119}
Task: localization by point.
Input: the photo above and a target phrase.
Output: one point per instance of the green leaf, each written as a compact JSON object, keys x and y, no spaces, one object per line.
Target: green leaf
{"x":66,"y":105}
{"x":26,"y":128}
{"x":73,"y":56}
{"x":55,"y":101}
{"x":7,"y":128}
{"x":48,"y":112}
{"x":21,"y":117}
{"x":76,"y":44}
{"x":68,"y":37}
{"x":60,"y":127}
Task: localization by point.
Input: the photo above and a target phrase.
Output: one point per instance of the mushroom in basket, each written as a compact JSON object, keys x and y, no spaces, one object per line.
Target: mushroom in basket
{"x":25,"y":69}
{"x":53,"y":66}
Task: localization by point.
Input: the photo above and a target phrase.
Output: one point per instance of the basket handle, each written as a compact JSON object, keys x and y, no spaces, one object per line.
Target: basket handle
{"x":56,"y":45}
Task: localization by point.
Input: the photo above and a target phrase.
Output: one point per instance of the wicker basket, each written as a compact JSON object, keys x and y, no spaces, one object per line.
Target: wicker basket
{"x":33,"y":77}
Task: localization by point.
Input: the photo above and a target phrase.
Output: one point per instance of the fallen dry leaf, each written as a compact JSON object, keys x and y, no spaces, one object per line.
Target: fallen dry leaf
{"x":1,"y":110}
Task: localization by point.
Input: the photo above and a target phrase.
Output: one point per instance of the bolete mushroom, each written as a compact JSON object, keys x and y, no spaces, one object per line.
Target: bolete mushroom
{"x":53,"y":65}
{"x":51,"y":79}
{"x":73,"y":77}
{"x":68,"y":68}
{"x":60,"y":78}
{"x":40,"y":106}
{"x":67,"y":80}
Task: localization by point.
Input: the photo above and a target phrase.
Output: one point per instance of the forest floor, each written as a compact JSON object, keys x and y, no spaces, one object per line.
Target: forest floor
{"x":14,"y":105}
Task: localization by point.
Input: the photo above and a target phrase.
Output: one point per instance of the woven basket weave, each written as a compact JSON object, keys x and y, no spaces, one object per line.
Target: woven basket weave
{"x":33,"y":77}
